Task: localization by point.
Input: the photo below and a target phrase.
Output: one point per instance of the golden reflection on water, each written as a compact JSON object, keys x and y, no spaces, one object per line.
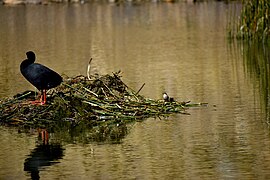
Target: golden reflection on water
{"x":153,"y":43}
{"x":179,"y":48}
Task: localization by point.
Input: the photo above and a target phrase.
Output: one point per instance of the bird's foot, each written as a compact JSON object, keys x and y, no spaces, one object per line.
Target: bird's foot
{"x":37,"y":102}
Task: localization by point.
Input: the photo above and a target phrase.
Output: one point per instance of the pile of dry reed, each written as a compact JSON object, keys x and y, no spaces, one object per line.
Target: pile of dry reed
{"x":92,"y":100}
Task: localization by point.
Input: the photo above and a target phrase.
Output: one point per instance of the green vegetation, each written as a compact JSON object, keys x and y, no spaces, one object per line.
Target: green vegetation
{"x":254,"y":21}
{"x":253,"y":25}
{"x":101,"y":107}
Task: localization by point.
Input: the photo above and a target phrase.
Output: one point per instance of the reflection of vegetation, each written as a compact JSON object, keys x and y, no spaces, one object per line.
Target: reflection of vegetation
{"x":112,"y":132}
{"x":257,"y":60}
{"x":254,"y":21}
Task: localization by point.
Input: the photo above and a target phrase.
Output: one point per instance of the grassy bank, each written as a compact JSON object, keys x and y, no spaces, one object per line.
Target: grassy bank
{"x":254,"y":21}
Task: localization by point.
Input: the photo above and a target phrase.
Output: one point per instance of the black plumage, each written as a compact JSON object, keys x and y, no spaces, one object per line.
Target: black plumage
{"x":42,"y":77}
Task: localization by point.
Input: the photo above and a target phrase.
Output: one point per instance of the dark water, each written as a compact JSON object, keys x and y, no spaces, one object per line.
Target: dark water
{"x":179,"y":48}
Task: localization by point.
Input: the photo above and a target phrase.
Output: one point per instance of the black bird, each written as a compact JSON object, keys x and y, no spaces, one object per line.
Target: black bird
{"x":38,"y":75}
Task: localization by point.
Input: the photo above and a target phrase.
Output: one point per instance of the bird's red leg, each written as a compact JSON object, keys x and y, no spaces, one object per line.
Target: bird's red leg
{"x":44,"y":97}
{"x":41,"y":97}
{"x":38,"y":101}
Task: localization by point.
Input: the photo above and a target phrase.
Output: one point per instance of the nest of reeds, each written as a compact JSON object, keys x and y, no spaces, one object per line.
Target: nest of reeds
{"x":93,"y":101}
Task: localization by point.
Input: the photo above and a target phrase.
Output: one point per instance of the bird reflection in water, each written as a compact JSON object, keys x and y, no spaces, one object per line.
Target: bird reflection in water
{"x":43,"y":155}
